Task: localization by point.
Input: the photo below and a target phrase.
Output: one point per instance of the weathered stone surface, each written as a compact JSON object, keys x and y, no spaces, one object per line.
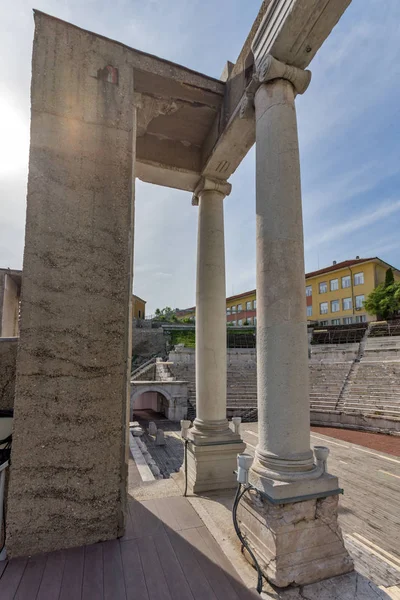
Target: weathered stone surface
{"x":296,"y":543}
{"x":68,"y":479}
{"x":8,"y":359}
{"x":212,"y":467}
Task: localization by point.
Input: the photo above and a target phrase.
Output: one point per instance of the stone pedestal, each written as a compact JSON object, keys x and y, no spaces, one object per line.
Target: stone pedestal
{"x":211,"y":467}
{"x":213,"y":445}
{"x":295,"y":543}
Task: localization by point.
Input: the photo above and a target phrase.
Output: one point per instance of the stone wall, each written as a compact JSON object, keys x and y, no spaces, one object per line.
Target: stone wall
{"x":333,"y":352}
{"x":147,"y":342}
{"x":70,"y":443}
{"x":8,"y":359}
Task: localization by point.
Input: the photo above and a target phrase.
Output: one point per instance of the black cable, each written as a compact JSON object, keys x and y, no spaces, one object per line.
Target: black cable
{"x":186,"y":478}
{"x":239,"y":494}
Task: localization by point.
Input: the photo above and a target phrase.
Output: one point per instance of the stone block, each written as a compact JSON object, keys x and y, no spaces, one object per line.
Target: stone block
{"x":295,"y":543}
{"x":212,"y":467}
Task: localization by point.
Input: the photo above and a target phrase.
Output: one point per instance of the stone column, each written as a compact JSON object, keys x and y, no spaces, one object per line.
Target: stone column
{"x":213,"y":445}
{"x":292,"y":490}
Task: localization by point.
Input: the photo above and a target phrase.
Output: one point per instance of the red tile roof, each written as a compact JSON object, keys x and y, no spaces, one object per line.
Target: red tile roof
{"x":340,"y":265}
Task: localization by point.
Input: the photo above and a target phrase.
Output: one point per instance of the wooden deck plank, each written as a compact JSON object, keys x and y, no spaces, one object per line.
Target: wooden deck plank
{"x":50,"y":585}
{"x":156,"y":582}
{"x":217,"y":578}
{"x":145,"y":518}
{"x":166,"y":515}
{"x":214,"y":549}
{"x":114,"y":584}
{"x":11,"y":578}
{"x":196,"y":579}
{"x":3,"y":565}
{"x":32,"y":577}
{"x":71,"y":586}
{"x":177,"y":582}
{"x":183,"y":512}
{"x":93,"y":584}
{"x":135,"y":584}
{"x":130,"y":532}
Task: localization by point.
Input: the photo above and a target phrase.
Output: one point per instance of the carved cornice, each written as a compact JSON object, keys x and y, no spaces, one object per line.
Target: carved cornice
{"x":206,"y":184}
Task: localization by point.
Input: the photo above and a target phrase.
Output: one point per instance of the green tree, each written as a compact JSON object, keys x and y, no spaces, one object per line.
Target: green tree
{"x":167,"y":314}
{"x":389,"y":277}
{"x":384,"y":300}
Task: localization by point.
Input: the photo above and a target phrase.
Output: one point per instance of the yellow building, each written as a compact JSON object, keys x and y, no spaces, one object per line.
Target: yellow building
{"x":335,"y":295}
{"x":138,"y":307}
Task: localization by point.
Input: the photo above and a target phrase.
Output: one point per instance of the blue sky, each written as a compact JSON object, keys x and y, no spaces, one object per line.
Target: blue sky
{"x":349,"y":131}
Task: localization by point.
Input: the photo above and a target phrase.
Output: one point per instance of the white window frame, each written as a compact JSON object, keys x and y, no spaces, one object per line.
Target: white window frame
{"x":254,"y":304}
{"x":323,"y":312}
{"x":239,"y":308}
{"x":228,"y":310}
{"x":338,"y":322}
{"x":334,"y":289}
{"x":234,"y":310}
{"x":346,"y":278}
{"x":240,"y":322}
{"x":326,"y":287}
{"x":347,"y":320}
{"x":309,"y":311}
{"x":335,"y":303}
{"x":357,"y":276}
{"x":358,"y":304}
{"x":343,"y":305}
{"x":248,"y":305}
{"x":308,"y":290}
{"x":323,"y":323}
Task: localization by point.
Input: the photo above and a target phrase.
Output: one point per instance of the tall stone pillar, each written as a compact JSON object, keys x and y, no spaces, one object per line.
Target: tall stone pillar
{"x":213,"y":446}
{"x":68,"y":483}
{"x":293,"y":494}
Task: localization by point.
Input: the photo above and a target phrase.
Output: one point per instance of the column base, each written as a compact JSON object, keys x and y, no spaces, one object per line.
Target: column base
{"x":296,"y":543}
{"x":277,"y":489}
{"x":211,"y":466}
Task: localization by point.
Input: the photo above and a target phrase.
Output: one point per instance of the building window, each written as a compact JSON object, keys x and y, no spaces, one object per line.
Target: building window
{"x":234,"y":311}
{"x":309,"y":311}
{"x":347,"y":304}
{"x":248,"y":305}
{"x":240,"y":322}
{"x":361,"y":318}
{"x":334,"y":285}
{"x":335,"y":321}
{"x":335,"y":306}
{"x":360,"y":301}
{"x":249,"y":321}
{"x":347,"y":320}
{"x":324,"y":323}
{"x":346,"y":281}
{"x":323,"y":308}
{"x":358,"y":278}
{"x":255,"y":320}
{"x":228,"y":310}
{"x":254,"y":304}
{"x":308,"y":290}
{"x":233,"y":323}
{"x":240,"y":308}
{"x":323,"y":287}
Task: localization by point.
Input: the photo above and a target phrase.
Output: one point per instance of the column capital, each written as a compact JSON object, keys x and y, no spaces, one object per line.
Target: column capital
{"x":267,"y":69}
{"x":206,"y":184}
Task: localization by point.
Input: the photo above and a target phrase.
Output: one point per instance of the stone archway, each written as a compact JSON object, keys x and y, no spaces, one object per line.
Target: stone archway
{"x":171,"y":399}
